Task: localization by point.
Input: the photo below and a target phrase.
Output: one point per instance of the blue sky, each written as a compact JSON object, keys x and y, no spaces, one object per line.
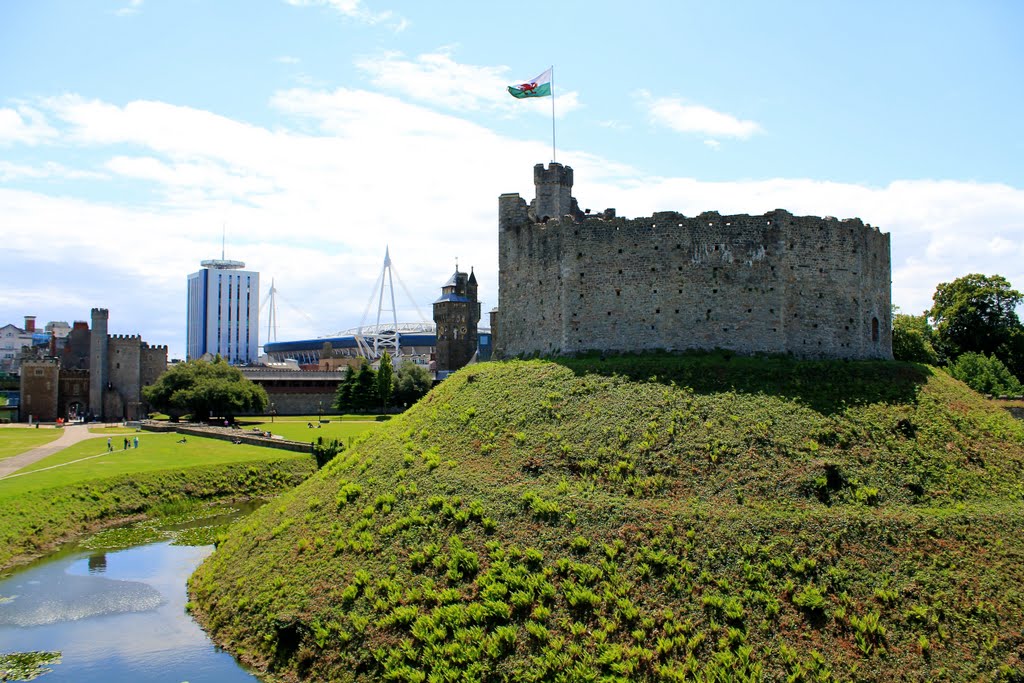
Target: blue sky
{"x":315,"y":132}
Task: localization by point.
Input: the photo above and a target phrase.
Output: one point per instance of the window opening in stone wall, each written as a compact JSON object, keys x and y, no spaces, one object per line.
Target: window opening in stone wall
{"x":874,"y":329}
{"x":620,"y":271}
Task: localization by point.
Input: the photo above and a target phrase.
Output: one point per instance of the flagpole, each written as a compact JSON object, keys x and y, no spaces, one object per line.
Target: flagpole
{"x":554,"y":157}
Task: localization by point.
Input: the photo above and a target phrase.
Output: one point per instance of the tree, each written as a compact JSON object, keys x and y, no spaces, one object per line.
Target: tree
{"x":911,"y":339}
{"x":343,"y":395}
{"x":411,"y":383}
{"x":202,"y":389}
{"x":385,"y":380}
{"x":984,"y":374}
{"x":975,"y":313}
{"x":358,"y":391}
{"x":364,"y":389}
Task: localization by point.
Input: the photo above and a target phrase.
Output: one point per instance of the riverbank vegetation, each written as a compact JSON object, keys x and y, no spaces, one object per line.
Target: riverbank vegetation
{"x":85,"y":486}
{"x":704,"y":517}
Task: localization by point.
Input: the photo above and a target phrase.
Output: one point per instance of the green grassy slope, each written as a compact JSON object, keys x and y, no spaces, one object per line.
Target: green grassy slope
{"x":558,"y":522}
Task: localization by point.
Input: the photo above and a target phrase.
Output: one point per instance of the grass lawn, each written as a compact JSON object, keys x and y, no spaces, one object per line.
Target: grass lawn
{"x":112,"y":430}
{"x":297,"y":428}
{"x":15,"y":440}
{"x":155,"y":452}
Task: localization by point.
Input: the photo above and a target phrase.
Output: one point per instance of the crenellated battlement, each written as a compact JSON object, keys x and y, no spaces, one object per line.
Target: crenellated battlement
{"x":50,"y":361}
{"x":772,"y":283}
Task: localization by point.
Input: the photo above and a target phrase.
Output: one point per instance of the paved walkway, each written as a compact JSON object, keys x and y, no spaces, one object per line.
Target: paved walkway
{"x":72,"y":435}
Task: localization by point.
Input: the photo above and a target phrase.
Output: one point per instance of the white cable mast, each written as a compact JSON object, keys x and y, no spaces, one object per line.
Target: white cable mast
{"x":272,"y":314}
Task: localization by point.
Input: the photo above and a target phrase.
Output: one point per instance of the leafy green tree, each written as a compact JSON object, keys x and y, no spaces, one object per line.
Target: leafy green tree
{"x":975,"y":313}
{"x":385,"y":380}
{"x":364,"y":389}
{"x":412,"y":382}
{"x":358,"y":391}
{"x":984,"y":374}
{"x":912,"y":339}
{"x":202,"y":389}
{"x":343,"y":395}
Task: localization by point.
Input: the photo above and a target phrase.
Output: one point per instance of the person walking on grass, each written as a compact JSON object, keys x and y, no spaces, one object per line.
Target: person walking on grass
{"x":136,"y":442}
{"x":126,"y":443}
{"x":110,"y":445}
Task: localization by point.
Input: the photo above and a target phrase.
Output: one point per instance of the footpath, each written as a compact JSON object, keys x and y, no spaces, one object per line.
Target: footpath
{"x":71,"y":435}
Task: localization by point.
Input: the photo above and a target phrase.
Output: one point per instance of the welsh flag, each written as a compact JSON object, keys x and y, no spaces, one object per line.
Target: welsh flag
{"x":537,"y":87}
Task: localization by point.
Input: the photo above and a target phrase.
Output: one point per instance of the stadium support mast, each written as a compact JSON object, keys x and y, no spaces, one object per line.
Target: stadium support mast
{"x":383,"y":341}
{"x":272,"y":313}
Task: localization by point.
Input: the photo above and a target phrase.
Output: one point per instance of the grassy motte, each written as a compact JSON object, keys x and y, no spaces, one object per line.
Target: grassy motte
{"x":84,"y":486}
{"x":652,"y":518}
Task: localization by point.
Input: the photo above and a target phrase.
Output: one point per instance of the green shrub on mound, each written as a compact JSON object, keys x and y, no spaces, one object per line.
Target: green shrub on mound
{"x":599,"y":520}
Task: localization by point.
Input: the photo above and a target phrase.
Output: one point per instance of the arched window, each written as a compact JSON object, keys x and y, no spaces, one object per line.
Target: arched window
{"x":874,"y":329}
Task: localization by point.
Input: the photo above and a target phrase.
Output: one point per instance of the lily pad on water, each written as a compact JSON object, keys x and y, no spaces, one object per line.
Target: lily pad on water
{"x":123,"y":537}
{"x":200,"y":535}
{"x":160,"y":529}
{"x":25,"y":666}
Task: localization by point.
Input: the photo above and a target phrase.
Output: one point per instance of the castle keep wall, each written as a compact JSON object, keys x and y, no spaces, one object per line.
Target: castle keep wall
{"x":777,"y":283}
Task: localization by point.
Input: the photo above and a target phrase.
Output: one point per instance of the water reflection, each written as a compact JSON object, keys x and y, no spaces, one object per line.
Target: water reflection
{"x":115,"y":616}
{"x":98,"y":563}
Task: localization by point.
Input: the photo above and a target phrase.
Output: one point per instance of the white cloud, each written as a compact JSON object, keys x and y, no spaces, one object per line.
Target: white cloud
{"x":24,"y":125}
{"x":682,"y":117}
{"x":437,"y":78}
{"x":355,"y":9}
{"x":288,"y":59}
{"x":50,"y":170}
{"x":313,"y":202}
{"x":131,"y":8}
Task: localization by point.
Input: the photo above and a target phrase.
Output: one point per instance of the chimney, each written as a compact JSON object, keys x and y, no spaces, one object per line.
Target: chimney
{"x":30,"y":323}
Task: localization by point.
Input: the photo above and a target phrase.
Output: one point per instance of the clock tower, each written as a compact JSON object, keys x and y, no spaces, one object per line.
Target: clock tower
{"x":456,"y":314}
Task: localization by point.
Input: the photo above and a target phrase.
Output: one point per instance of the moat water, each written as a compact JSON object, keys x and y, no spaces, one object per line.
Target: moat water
{"x":115,"y":615}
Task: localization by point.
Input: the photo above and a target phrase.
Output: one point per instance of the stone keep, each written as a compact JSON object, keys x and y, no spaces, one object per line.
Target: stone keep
{"x":572,"y":282}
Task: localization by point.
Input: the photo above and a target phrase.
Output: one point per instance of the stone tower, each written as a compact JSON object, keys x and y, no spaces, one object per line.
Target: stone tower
{"x":99,"y":362}
{"x":554,"y":192}
{"x":456,"y":314}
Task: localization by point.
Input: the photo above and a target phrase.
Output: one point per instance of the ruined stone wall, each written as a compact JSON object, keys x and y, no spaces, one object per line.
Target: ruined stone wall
{"x":777,"y":283}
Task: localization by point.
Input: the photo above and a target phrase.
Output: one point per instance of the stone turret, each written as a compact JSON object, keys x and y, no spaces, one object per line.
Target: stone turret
{"x":554,"y":192}
{"x":99,"y":363}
